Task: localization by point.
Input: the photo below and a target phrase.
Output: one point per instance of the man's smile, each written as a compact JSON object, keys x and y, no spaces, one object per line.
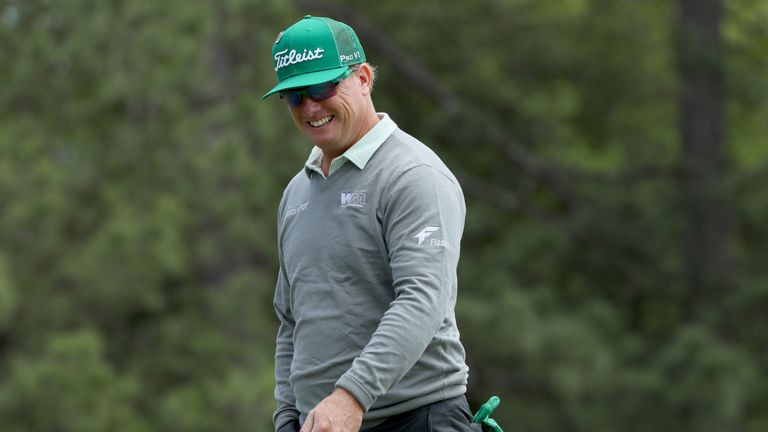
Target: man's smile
{"x":321,"y":122}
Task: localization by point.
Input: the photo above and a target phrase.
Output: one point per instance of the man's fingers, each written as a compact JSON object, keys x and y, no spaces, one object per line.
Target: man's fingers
{"x":322,"y":424}
{"x":309,"y":423}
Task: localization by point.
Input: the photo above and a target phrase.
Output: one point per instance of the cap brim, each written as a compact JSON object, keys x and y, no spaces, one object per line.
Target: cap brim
{"x":307,"y":79}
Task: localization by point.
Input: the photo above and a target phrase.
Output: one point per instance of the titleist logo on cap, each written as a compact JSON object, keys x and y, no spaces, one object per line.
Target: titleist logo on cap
{"x":285,"y":58}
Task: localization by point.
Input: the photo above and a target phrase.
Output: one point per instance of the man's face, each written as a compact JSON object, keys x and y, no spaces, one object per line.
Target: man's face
{"x":336,"y":123}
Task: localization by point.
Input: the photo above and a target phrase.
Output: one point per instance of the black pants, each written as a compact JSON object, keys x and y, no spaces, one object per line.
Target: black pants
{"x":450,"y":415}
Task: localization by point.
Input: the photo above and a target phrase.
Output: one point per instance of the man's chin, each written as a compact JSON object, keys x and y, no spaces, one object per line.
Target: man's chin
{"x":323,"y":144}
{"x":322,"y":138}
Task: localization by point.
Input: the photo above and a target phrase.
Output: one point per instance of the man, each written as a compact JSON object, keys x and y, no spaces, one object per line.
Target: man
{"x":368,"y":241}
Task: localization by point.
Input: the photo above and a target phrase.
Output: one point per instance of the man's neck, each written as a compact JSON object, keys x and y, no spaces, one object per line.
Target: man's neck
{"x":325,"y":164}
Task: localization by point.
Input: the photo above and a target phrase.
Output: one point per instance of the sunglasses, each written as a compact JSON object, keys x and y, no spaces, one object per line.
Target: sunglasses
{"x":317,"y":92}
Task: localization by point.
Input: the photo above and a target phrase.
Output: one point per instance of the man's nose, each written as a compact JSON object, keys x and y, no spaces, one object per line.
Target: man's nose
{"x":309,"y":107}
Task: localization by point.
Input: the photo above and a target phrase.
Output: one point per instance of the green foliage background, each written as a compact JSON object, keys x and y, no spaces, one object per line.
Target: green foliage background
{"x":140,"y":173}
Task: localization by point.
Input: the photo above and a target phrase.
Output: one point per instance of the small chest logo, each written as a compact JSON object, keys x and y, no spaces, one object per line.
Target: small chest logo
{"x":353,"y":199}
{"x":298,"y":209}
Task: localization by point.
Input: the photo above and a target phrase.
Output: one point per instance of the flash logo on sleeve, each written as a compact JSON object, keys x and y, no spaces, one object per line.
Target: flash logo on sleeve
{"x":426,"y":232}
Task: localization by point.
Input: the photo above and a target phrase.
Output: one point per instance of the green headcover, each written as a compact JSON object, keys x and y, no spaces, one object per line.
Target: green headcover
{"x":483,"y":415}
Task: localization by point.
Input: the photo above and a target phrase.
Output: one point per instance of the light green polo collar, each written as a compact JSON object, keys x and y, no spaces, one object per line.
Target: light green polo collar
{"x":360,"y":152}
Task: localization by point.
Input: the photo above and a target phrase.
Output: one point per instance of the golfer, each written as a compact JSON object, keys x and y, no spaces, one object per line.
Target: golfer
{"x":368,"y":240}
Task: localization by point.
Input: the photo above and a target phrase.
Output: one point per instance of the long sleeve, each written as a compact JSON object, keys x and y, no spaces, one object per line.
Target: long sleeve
{"x":286,"y":411}
{"x":422,"y":220}
{"x":286,"y":400}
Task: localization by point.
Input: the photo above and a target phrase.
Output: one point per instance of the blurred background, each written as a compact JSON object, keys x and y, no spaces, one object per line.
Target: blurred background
{"x":613,"y":155}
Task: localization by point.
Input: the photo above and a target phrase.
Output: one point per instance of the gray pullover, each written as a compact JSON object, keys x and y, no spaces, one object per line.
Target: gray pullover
{"x":367,"y":284}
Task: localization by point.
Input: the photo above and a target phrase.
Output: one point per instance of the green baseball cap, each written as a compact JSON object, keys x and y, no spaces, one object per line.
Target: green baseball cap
{"x":313,"y":51}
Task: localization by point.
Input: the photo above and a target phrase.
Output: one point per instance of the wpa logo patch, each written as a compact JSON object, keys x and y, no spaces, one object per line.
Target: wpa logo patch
{"x":353,"y":199}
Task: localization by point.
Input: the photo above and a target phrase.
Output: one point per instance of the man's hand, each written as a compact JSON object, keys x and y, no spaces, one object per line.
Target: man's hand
{"x":339,"y":412}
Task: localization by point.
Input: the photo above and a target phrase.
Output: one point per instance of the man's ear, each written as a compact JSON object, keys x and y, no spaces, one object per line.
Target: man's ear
{"x":365,"y":78}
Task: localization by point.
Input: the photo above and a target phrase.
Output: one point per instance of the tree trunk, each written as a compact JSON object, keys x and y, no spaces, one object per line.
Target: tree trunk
{"x":702,"y":127}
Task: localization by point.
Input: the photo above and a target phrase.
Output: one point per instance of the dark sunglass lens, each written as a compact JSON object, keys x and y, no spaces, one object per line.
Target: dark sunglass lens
{"x":322,"y":92}
{"x":293,"y":98}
